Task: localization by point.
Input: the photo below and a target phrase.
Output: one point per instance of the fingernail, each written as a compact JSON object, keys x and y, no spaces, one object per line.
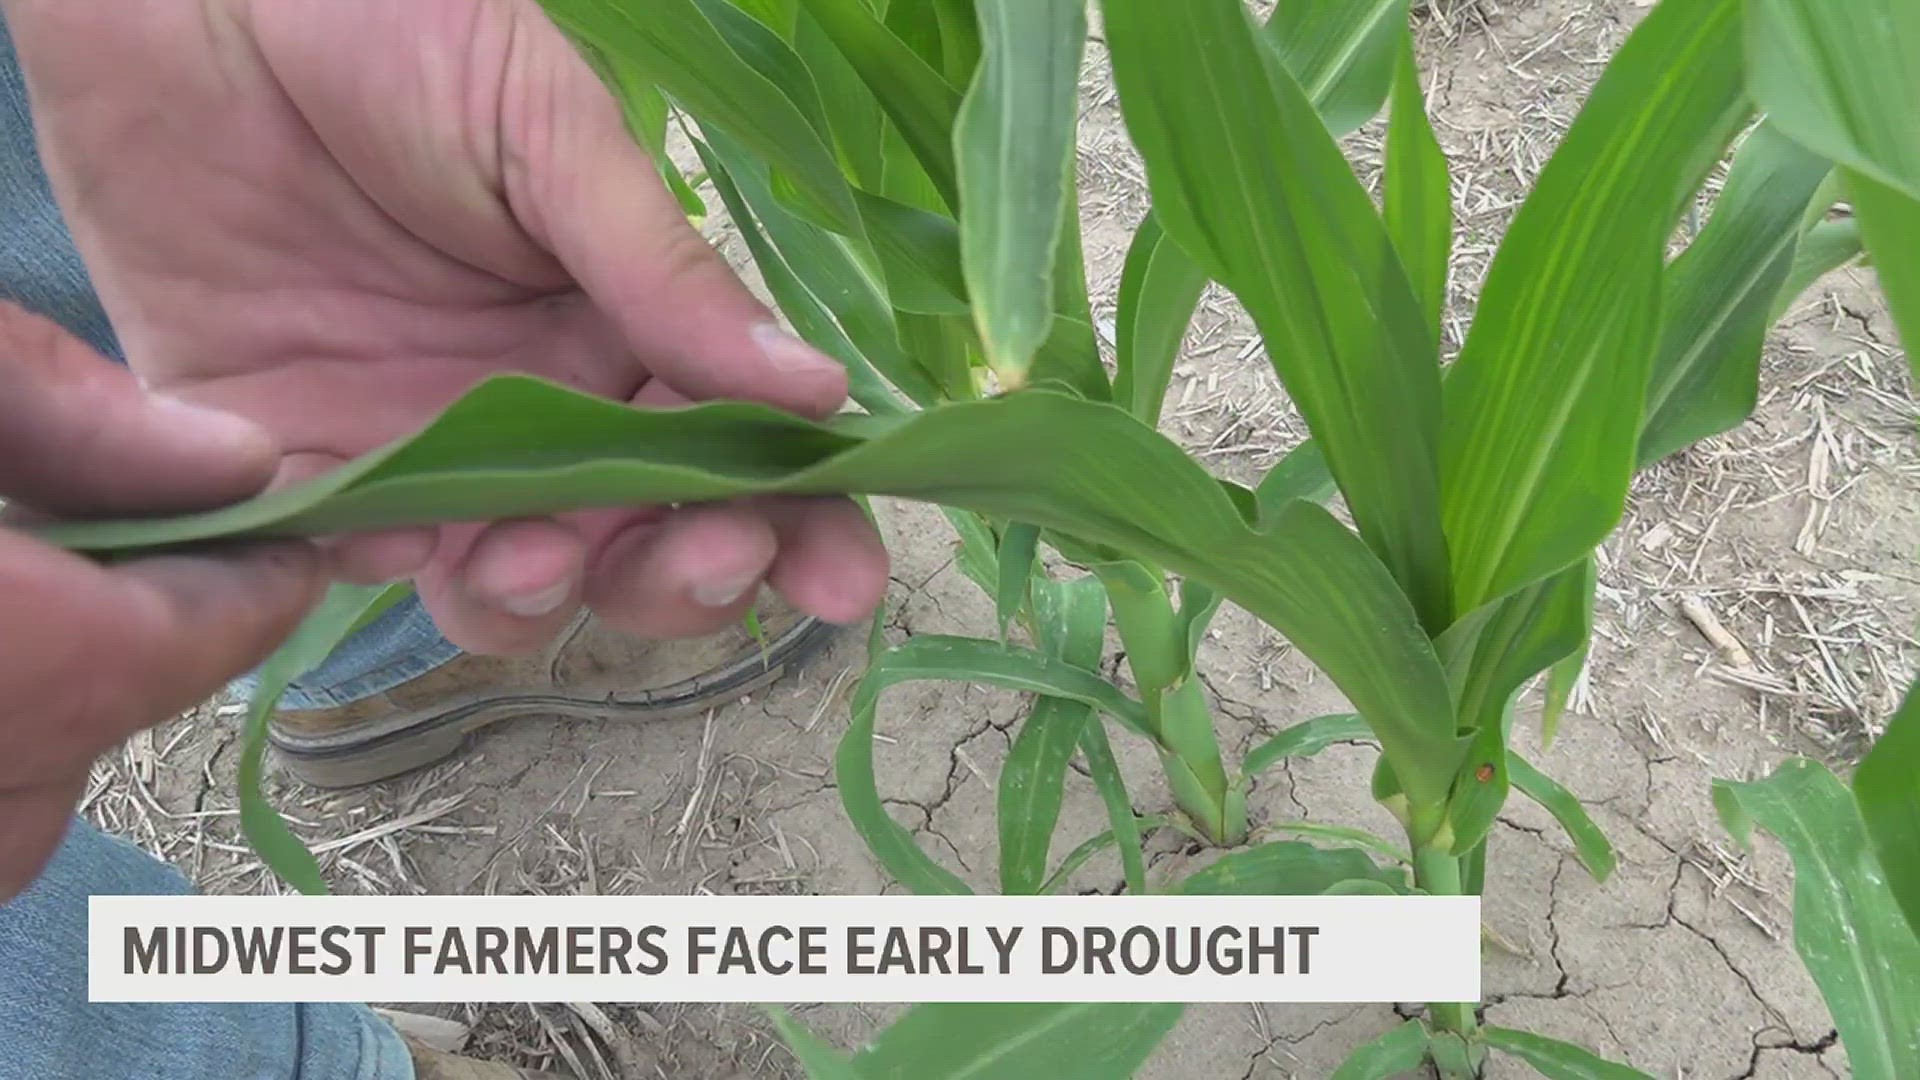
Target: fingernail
{"x":719,"y":594}
{"x":788,"y":353}
{"x":213,"y":425}
{"x":534,"y":605}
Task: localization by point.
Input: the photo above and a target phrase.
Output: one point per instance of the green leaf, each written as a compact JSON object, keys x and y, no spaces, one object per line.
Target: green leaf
{"x":1890,"y":223}
{"x":517,"y":446}
{"x":891,"y":843}
{"x":822,"y":1062}
{"x":1072,"y":621}
{"x":919,"y":254}
{"x":1105,"y":772}
{"x":1518,"y":638}
{"x":1342,"y":834}
{"x":1887,"y":787}
{"x":1719,"y":296}
{"x":1159,"y":289}
{"x":959,"y":40}
{"x":1826,"y":247}
{"x":1590,"y":845}
{"x":1302,"y":474}
{"x":1084,"y":853}
{"x":1418,"y":199}
{"x":1018,"y":1041}
{"x":1014,"y":141}
{"x":1561,"y":680}
{"x":1343,"y":52}
{"x":681,"y":52}
{"x":1557,"y":1060}
{"x":1847,"y":925}
{"x":1401,"y":1050}
{"x":853,"y":114}
{"x":1144,"y":616}
{"x":1017,"y":549}
{"x":1285,"y":868}
{"x":345,"y":609}
{"x":821,"y":263}
{"x":1840,"y":79}
{"x":916,"y":98}
{"x":1543,"y":406}
{"x":1250,"y":184}
{"x":1306,"y":739}
{"x":779,"y":15}
{"x":803,"y":309}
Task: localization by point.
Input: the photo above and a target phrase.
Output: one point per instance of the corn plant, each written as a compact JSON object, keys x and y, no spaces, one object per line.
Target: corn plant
{"x":902,"y":173}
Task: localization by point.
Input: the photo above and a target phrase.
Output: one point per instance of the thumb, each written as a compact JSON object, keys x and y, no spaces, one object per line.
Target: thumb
{"x":591,"y":195}
{"x":79,"y":435}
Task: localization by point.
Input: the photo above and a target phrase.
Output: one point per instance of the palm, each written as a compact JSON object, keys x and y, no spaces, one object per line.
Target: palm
{"x":334,"y":217}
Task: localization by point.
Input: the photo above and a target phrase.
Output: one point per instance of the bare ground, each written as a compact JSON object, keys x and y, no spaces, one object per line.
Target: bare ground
{"x":1792,"y":539}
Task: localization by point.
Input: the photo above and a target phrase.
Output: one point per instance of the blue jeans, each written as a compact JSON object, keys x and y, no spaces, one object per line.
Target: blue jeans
{"x":48,"y":1029}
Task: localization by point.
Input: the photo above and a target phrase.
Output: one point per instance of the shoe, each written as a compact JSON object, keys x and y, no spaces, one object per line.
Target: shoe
{"x":431,"y":1064}
{"x":591,"y":673}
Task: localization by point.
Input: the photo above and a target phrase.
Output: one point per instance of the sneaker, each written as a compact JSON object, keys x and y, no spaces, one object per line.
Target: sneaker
{"x":590,"y":673}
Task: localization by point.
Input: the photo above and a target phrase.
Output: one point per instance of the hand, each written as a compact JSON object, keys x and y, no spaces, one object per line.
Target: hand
{"x":335,"y":216}
{"x":93,"y":654}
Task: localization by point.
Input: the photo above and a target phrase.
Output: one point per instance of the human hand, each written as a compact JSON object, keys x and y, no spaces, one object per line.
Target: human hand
{"x":89,"y":655}
{"x":335,"y":216}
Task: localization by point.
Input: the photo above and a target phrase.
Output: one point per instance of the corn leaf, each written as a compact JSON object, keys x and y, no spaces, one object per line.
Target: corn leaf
{"x":1017,"y":548}
{"x":1306,"y":739}
{"x":809,"y":318}
{"x":1561,"y":680}
{"x":1159,"y":289}
{"x":1247,"y":180}
{"x":916,"y":97}
{"x":1590,"y":845}
{"x":1084,"y":854}
{"x":1887,"y":787}
{"x":820,"y":263}
{"x":1525,"y":634}
{"x":1286,"y":868}
{"x":1847,"y":925}
{"x":1558,"y":1060}
{"x":1824,"y":248}
{"x":1072,"y":623}
{"x":919,"y":255}
{"x":1543,"y":406}
{"x":1015,"y":143}
{"x":518,"y":446}
{"x":1343,"y":52}
{"x":1018,"y":1041}
{"x":960,"y":46}
{"x":1719,"y":296}
{"x":345,"y":609}
{"x":1890,"y":224}
{"x":1840,"y":79}
{"x":854,"y":115}
{"x":1105,"y":772}
{"x":821,"y":1062}
{"x":681,"y":52}
{"x":1418,"y":200}
{"x":779,"y":15}
{"x":1402,"y":1050}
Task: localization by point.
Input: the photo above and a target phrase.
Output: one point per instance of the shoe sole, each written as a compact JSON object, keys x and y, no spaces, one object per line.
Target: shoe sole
{"x":409,"y":741}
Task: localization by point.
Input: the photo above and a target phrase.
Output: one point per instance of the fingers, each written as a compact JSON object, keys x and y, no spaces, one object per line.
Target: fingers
{"x":37,"y":816}
{"x":689,"y":575}
{"x":95,"y":654}
{"x":80,"y":437}
{"x":832,"y":563}
{"x":589,"y":193}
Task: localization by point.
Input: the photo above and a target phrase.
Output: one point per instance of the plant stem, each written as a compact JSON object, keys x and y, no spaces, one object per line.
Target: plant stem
{"x":1437,"y":871}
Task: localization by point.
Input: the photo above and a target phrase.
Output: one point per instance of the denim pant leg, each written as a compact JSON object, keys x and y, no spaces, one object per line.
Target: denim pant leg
{"x":50,"y":1031}
{"x":41,"y":271}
